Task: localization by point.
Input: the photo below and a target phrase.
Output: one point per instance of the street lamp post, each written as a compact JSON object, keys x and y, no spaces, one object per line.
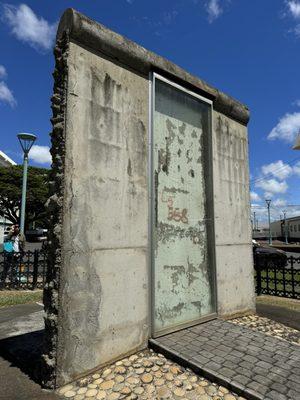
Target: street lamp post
{"x":270,"y":235}
{"x":26,"y":140}
{"x":285,"y":228}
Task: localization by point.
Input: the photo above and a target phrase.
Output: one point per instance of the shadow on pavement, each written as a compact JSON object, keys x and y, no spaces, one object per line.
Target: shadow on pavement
{"x":24,"y":352}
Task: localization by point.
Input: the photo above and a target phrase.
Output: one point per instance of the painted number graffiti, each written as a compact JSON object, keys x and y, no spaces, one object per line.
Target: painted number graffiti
{"x":174,"y":213}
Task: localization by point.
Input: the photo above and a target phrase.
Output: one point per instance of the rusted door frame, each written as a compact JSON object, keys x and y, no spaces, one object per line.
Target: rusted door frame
{"x":209,"y":190}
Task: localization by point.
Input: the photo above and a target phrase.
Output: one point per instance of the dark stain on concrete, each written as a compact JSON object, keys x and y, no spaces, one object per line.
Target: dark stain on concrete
{"x":129,"y":168}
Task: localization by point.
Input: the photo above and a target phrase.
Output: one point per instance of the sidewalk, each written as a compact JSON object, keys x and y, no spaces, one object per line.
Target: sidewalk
{"x":21,"y":332}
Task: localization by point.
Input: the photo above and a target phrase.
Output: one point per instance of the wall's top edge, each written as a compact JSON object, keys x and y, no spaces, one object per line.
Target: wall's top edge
{"x":94,"y":35}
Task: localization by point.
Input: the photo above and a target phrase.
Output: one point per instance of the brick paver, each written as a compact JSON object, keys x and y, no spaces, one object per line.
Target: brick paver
{"x":250,"y":363}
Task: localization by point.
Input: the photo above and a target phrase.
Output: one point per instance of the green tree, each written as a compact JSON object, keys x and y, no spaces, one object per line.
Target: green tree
{"x":11,"y":192}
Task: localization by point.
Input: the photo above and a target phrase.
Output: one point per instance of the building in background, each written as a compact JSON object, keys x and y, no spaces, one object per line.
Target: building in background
{"x":5,"y":161}
{"x":292,"y":225}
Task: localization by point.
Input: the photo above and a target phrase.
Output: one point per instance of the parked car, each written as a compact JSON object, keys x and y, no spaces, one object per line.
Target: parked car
{"x":266,"y":256}
{"x":36,"y":235}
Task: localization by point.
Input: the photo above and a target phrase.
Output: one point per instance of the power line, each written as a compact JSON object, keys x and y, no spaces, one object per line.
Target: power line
{"x":276,"y":170}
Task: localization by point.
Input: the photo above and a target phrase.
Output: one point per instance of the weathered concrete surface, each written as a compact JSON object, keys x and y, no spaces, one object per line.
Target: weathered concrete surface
{"x":104,"y":280}
{"x":97,"y":37}
{"x":234,"y":264}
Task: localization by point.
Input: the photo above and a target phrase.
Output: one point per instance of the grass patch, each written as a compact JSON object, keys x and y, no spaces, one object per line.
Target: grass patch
{"x":13,"y":297}
{"x":279,"y":280}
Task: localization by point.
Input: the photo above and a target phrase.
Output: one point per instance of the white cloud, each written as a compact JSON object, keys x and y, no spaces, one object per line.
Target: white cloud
{"x":3,"y":73}
{"x":40,"y":154}
{"x":213,"y":9}
{"x":287,"y":128}
{"x":254,"y":196}
{"x":277,"y":169}
{"x":272,"y":186}
{"x":28,"y":27}
{"x":6,"y":95}
{"x":294,"y":8}
{"x":279,"y":202}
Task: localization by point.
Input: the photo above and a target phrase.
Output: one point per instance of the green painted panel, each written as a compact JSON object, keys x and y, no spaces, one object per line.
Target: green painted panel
{"x":182,"y":276}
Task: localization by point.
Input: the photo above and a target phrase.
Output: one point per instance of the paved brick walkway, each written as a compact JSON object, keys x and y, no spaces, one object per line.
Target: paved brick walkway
{"x":249,"y":363}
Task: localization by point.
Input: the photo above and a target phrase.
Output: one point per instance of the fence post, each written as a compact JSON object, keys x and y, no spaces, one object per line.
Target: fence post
{"x":35,"y":268}
{"x":258,"y":275}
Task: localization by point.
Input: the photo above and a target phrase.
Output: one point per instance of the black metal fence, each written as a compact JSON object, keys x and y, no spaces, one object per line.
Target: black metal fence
{"x":23,"y":270}
{"x":279,"y":280}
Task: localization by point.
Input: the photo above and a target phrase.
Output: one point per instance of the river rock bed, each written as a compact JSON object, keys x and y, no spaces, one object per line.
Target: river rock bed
{"x":145,"y":375}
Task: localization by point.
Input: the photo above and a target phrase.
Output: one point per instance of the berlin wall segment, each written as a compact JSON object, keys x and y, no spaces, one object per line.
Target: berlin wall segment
{"x":97,"y":292}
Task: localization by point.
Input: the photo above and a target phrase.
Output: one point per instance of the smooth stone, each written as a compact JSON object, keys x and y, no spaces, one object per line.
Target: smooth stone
{"x":101,"y":395}
{"x":204,"y":397}
{"x":120,"y":369}
{"x":65,"y":389}
{"x":91,"y":393}
{"x":163,"y":393}
{"x":193,"y":379}
{"x":106,"y":372}
{"x":158,"y":374}
{"x":113,"y":396}
{"x":200,"y":390}
{"x":139,"y":390}
{"x":211,"y":390}
{"x":178,"y":383}
{"x":82,"y":390}
{"x":179,"y":392}
{"x":175,"y":370}
{"x":79,"y":397}
{"x":119,"y":378}
{"x":70,"y":393}
{"x":106,"y":385}
{"x":140,"y":371}
{"x":126,"y":390}
{"x":133,"y":358}
{"x":118,"y":387}
{"x":223,"y":389}
{"x":92,"y":386}
{"x":118,"y":363}
{"x":132,"y":380}
{"x":229,"y":397}
{"x":147,"y":378}
{"x":96,"y":376}
{"x":97,"y":381}
{"x":159,"y":382}
{"x":169,"y":376}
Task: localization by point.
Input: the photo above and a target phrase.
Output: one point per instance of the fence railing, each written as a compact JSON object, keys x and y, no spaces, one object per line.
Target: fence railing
{"x":278,"y":279}
{"x":23,"y":270}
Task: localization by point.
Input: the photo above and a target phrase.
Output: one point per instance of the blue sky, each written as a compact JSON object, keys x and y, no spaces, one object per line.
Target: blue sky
{"x":248,"y":49}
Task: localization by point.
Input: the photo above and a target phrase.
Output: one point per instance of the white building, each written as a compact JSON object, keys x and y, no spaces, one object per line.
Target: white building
{"x":292,"y":226}
{"x":5,"y":161}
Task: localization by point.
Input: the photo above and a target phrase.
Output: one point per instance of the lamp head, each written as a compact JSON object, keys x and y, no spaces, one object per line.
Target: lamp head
{"x":26,"y":140}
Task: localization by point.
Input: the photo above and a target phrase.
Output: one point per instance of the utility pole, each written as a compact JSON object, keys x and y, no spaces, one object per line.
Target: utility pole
{"x":269,"y":218}
{"x":254,"y":221}
{"x":285,"y":227}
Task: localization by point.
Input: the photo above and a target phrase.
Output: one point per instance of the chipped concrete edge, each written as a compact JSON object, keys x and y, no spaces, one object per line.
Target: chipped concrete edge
{"x":95,"y":36}
{"x":55,"y":213}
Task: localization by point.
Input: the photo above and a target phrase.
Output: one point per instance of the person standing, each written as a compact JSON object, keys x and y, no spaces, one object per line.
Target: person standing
{"x":13,"y":248}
